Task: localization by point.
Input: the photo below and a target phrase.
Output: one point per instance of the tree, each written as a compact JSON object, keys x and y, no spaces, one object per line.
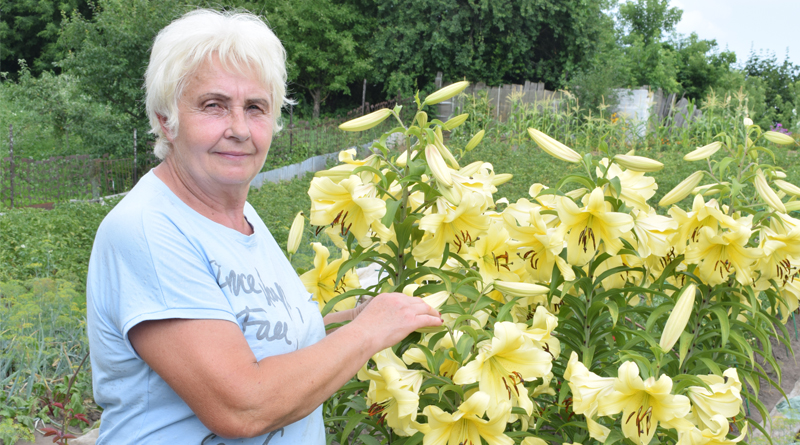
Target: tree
{"x":29,"y":31}
{"x":325,"y":44}
{"x":779,"y":79}
{"x":108,"y":53}
{"x":643,"y":23}
{"x":700,"y":65}
{"x":500,"y":41}
{"x":649,"y":19}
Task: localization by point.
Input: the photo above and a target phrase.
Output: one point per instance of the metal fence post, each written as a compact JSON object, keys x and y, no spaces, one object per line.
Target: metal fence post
{"x":291,"y":126}
{"x":11,"y":154}
{"x":135,"y":163}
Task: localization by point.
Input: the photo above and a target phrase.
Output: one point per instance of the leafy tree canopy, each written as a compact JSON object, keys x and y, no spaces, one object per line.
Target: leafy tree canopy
{"x":499,"y":41}
{"x":325,"y":43}
{"x":648,"y":19}
{"x":108,"y":53}
{"x":782,"y":85}
{"x":29,"y":30}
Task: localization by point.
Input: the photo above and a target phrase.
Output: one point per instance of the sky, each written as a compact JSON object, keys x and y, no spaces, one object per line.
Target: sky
{"x":741,"y":25}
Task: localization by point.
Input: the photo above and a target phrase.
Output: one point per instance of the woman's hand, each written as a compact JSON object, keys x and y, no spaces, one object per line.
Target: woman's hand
{"x":389,"y":318}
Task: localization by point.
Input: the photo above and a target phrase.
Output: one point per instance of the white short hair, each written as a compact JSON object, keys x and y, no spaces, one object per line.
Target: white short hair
{"x":241,"y":41}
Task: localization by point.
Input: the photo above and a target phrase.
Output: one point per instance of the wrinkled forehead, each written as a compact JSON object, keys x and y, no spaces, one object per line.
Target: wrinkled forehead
{"x":232,"y":65}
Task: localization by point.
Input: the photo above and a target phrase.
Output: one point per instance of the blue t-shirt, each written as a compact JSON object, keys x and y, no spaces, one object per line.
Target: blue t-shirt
{"x":155,"y":258}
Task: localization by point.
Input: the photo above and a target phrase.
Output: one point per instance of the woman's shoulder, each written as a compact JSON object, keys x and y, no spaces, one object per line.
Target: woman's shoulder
{"x":146,"y":203}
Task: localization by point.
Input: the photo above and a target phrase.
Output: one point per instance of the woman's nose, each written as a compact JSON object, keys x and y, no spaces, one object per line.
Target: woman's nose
{"x":238,"y":128}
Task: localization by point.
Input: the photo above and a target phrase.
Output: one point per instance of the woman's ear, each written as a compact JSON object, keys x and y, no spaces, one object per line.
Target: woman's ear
{"x":162,"y":120}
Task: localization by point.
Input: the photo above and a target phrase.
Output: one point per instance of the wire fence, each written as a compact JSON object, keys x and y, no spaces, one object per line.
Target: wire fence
{"x":26,"y":182}
{"x":300,"y":140}
{"x":40,"y":183}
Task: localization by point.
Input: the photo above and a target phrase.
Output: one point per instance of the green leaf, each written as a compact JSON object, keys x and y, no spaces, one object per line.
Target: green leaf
{"x":391,"y":210}
{"x":613,"y":309}
{"x":576,"y":180}
{"x":369,"y":440}
{"x":354,"y":418}
{"x":725,"y":326}
{"x":656,"y":313}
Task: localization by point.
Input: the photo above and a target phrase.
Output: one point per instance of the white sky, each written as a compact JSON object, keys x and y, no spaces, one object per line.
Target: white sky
{"x":740,"y":25}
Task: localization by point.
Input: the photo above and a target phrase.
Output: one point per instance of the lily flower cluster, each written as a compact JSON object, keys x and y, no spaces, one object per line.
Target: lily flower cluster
{"x":578,"y":270}
{"x":700,"y":417}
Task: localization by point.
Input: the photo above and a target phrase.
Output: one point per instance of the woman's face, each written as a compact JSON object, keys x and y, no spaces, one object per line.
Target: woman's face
{"x":225,"y":129}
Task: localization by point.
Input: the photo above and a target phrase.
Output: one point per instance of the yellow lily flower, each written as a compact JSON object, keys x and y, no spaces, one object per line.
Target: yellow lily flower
{"x":780,"y":258}
{"x":321,"y":280}
{"x":716,"y":433}
{"x":703,"y":214}
{"x":588,"y":390}
{"x":503,"y":364}
{"x":717,"y":254}
{"x":643,"y":403}
{"x":724,"y":399}
{"x":350,"y":204}
{"x":653,"y":232}
{"x":590,"y":225}
{"x":540,"y":331}
{"x":790,"y":291}
{"x":458,"y":226}
{"x":466,"y":425}
{"x":636,"y":187}
{"x":539,"y":246}
{"x":490,"y":255}
{"x":393,"y":391}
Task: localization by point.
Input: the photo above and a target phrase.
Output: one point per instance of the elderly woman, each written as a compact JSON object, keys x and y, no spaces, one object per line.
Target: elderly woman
{"x":199,"y":327}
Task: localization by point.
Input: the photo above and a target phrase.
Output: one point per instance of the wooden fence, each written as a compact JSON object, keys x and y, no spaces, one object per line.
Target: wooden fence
{"x":657,"y":104}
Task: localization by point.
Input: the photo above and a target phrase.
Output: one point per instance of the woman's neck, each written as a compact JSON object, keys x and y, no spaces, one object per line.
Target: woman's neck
{"x":223,"y":205}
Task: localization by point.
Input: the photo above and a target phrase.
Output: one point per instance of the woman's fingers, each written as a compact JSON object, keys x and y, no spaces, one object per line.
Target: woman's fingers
{"x":392,"y":316}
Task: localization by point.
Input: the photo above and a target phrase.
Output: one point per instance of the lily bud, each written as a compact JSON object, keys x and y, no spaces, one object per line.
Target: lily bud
{"x":711,"y":189}
{"x":779,"y":175}
{"x":681,"y":190}
{"x":446,"y":155}
{"x":474,"y":141}
{"x":787,"y":187}
{"x":553,"y":147}
{"x":501,"y":178}
{"x":366,"y":122}
{"x":438,"y":166}
{"x":471,"y":169}
{"x":638,"y":163}
{"x":446,"y":93}
{"x":767,"y":194}
{"x":677,"y":320}
{"x":792,"y":206}
{"x":295,"y":233}
{"x":402,"y":160}
{"x":455,"y":121}
{"x":437,"y":299}
{"x":520,"y":289}
{"x":703,"y":152}
{"x":748,"y":122}
{"x":778,"y":138}
{"x":421,"y":118}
